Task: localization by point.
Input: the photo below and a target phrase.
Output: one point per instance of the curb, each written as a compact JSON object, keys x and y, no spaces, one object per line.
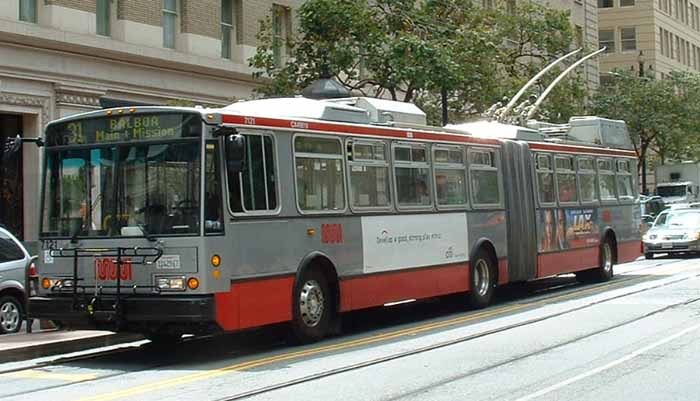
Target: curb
{"x":65,"y":346}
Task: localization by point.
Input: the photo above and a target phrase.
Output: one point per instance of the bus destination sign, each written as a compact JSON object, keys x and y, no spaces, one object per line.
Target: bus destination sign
{"x":137,"y":127}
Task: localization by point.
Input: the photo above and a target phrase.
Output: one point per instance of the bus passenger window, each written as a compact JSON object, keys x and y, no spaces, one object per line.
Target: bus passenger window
{"x":545,"y":178}
{"x":450,"y":181}
{"x":369,"y":174}
{"x":624,"y":180}
{"x":412,"y":173}
{"x":566,"y":179}
{"x":483,"y":174}
{"x":255,"y":189}
{"x":319,"y":174}
{"x":586,"y":179}
{"x":606,"y":180}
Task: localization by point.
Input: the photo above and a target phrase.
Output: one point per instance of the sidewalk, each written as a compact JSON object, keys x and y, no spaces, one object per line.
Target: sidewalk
{"x":22,"y":345}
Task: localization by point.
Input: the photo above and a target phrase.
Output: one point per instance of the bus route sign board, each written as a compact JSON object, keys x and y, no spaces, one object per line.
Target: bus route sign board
{"x":123,"y":128}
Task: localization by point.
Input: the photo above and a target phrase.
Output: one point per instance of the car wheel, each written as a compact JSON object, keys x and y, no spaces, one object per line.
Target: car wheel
{"x":11,"y":313}
{"x":313,"y":307}
{"x":483,"y":280}
{"x":648,"y":255}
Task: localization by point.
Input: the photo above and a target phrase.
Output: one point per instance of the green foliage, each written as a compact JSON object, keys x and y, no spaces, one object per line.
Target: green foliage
{"x":410,"y":51}
{"x":660,"y":114}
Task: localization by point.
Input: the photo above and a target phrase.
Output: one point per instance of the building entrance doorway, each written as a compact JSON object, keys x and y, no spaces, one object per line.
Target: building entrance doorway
{"x":11,"y":185}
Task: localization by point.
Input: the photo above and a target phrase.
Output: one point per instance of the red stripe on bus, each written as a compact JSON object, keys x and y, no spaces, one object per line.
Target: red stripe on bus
{"x":255,"y":303}
{"x":578,"y":149}
{"x":355,"y":129}
{"x":502,"y":271}
{"x":550,"y":264}
{"x":380,"y":289}
{"x":628,"y":251}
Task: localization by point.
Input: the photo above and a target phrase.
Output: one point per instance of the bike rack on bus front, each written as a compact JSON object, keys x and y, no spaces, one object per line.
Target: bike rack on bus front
{"x":123,"y":255}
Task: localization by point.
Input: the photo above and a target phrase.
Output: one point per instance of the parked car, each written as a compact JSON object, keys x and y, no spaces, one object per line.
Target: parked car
{"x":675,"y":230}
{"x":13,"y":261}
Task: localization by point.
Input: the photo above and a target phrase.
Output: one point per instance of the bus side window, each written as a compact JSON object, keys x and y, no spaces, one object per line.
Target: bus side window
{"x":213,"y":213}
{"x":255,"y":188}
{"x":450,"y":181}
{"x":586,"y":179}
{"x":624,"y":180}
{"x":320,"y":180}
{"x":545,"y":178}
{"x":606,"y":180}
{"x":483,"y":173}
{"x":369,"y":175}
{"x":412,"y":174}
{"x":566,"y":179}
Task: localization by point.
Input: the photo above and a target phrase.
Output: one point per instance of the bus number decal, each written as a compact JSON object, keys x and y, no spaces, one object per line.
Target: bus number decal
{"x":332,"y":233}
{"x":249,"y":120}
{"x":106,"y":269}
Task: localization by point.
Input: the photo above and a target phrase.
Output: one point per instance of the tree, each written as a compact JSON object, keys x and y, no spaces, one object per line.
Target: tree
{"x":660,"y":114}
{"x":411,"y":51}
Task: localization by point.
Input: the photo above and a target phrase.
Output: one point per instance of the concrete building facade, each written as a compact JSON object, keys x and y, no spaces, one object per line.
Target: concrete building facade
{"x":656,"y":36}
{"x":61,"y":57}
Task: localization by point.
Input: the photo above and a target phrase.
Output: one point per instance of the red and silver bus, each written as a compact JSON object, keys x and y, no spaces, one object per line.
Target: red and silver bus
{"x":166,"y":221}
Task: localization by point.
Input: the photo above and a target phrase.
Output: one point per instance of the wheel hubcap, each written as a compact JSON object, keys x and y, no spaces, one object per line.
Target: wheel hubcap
{"x":482,"y":277}
{"x":607,"y":257}
{"x":9,"y":316}
{"x":311,"y":303}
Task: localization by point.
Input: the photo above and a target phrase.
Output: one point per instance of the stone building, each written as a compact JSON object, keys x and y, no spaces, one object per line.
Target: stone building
{"x":654,"y":36}
{"x":60,"y":57}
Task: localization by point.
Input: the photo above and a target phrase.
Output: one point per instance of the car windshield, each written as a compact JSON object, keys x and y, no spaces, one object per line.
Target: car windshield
{"x":676,"y":190}
{"x":122,"y":190}
{"x":681,"y":219}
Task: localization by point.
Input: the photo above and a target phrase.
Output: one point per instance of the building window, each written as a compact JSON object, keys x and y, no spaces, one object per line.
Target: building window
{"x":579,"y":36}
{"x":628,"y":38}
{"x":169,"y":23}
{"x":626,"y":3}
{"x":103,"y":17}
{"x":226,"y":27}
{"x":281,"y":31}
{"x":27,"y":10}
{"x":606,"y":38}
{"x":661,"y":41}
{"x":605,"y":3}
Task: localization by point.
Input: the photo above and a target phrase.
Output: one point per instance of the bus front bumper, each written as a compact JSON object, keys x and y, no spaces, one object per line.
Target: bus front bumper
{"x":136,"y":310}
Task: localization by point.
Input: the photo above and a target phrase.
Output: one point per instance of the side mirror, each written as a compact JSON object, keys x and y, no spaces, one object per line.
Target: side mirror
{"x":236,"y":153}
{"x":647,"y":218}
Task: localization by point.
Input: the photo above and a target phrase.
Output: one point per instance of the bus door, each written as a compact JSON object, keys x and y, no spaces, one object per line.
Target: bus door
{"x":520,"y":211}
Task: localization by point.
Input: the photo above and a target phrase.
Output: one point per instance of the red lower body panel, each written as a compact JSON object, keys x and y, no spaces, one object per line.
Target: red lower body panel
{"x":550,"y":264}
{"x":255,"y":303}
{"x":628,"y":251}
{"x":379,"y":289}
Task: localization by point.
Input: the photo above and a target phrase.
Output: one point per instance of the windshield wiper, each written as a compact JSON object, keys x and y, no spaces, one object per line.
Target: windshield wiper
{"x":148,"y":235}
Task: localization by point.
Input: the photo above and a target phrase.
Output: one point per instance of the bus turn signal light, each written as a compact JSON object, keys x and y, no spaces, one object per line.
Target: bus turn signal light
{"x":192,"y":283}
{"x":216,"y":260}
{"x":46,"y":283}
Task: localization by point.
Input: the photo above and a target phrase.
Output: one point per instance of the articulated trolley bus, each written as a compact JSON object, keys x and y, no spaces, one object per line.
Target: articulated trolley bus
{"x":166,"y":220}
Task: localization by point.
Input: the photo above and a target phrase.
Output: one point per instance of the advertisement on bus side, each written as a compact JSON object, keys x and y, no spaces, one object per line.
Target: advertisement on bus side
{"x":568,"y":228}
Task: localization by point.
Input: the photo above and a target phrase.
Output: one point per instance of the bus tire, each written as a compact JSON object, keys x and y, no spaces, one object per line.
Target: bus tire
{"x":483,"y":280}
{"x":607,"y":261}
{"x":312,"y":307}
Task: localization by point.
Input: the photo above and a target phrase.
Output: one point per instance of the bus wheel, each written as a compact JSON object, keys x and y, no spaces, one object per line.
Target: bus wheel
{"x":483,"y":279}
{"x":312,"y":307}
{"x":605,"y":271}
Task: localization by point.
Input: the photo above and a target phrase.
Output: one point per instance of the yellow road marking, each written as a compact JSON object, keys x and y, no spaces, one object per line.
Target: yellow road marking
{"x":42,"y":374}
{"x":149,"y":387}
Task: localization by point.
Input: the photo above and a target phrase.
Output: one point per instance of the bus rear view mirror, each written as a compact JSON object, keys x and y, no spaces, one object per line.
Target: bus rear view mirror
{"x":236,"y":153}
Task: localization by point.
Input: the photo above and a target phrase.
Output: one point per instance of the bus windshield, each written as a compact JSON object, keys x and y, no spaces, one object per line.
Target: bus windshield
{"x":131,"y":189}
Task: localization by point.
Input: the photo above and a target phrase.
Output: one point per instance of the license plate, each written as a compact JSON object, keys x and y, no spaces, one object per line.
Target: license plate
{"x":106,"y":269}
{"x":667,"y":246}
{"x":168,"y":262}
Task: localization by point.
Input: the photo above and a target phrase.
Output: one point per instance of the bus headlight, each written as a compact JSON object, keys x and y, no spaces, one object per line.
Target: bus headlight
{"x":170,"y":283}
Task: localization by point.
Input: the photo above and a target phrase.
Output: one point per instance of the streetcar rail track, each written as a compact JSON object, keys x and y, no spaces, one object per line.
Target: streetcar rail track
{"x":539,"y":300}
